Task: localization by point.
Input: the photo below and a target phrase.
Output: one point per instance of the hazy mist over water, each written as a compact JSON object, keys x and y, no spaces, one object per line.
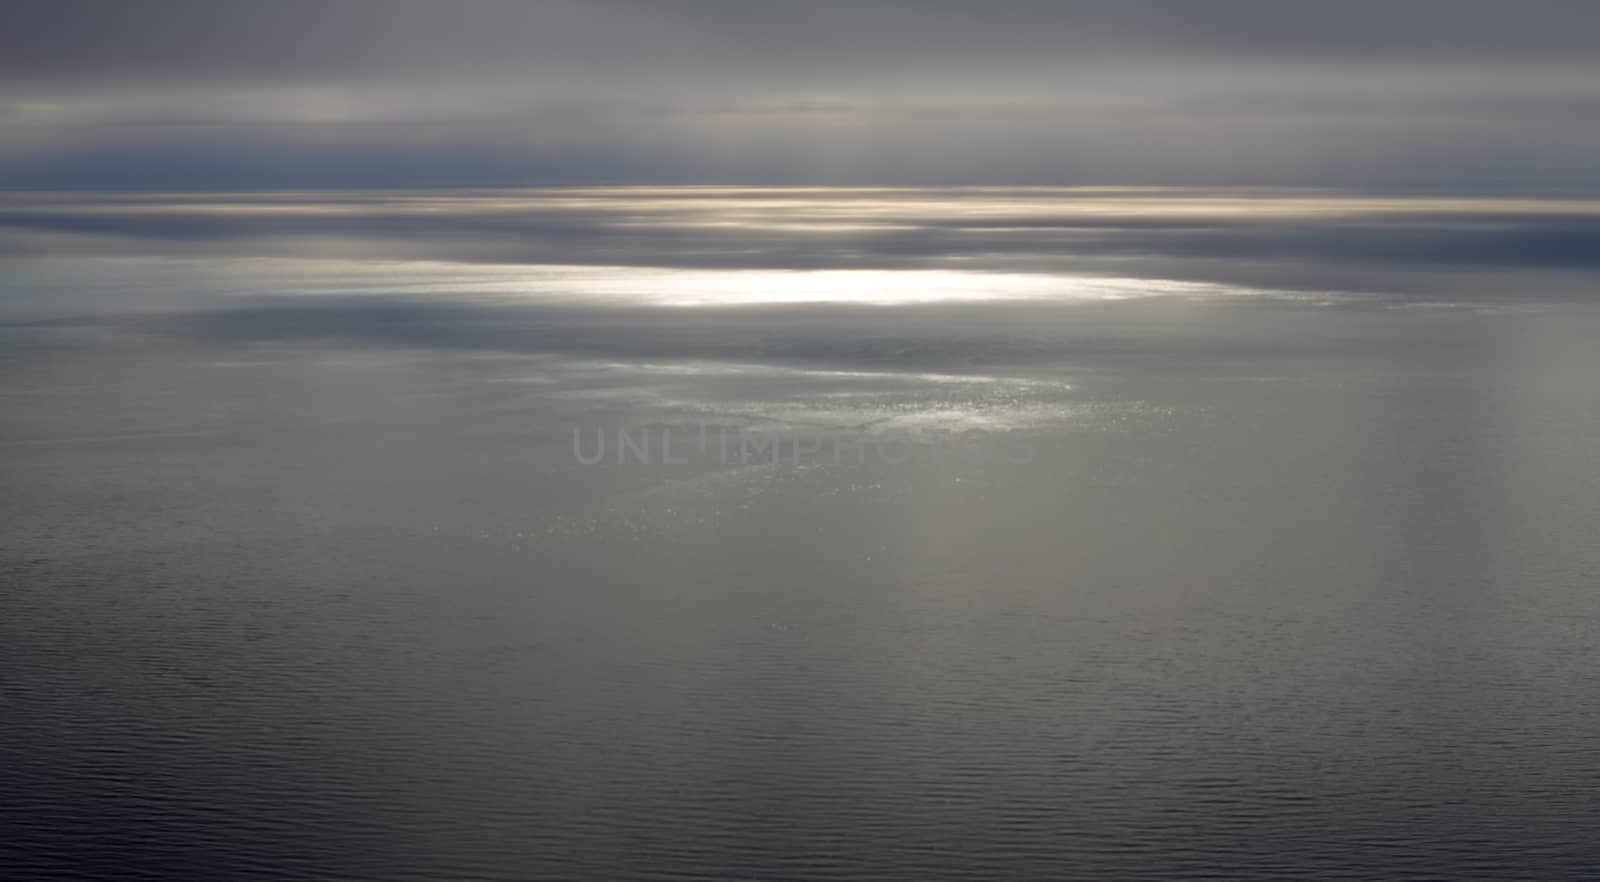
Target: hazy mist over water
{"x":1229,"y":534}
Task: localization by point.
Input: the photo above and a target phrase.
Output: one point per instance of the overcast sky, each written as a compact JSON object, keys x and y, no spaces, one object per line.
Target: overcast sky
{"x":386,"y":93}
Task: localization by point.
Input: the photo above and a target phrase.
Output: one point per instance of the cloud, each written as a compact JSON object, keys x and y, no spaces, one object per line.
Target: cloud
{"x":838,"y":40}
{"x":363,"y":94}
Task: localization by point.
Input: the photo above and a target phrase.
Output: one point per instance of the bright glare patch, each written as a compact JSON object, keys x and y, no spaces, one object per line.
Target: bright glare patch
{"x":658,"y":286}
{"x":690,"y":288}
{"x":876,"y":287}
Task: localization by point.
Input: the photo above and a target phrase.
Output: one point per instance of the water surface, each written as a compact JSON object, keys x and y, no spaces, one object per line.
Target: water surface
{"x":304,"y":578}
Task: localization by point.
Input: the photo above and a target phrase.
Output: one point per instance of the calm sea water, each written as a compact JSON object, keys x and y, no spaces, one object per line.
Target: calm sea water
{"x":1239,"y":587}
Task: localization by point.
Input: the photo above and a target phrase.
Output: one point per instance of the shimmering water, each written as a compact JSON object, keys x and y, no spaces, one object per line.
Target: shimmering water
{"x":1286,"y":587}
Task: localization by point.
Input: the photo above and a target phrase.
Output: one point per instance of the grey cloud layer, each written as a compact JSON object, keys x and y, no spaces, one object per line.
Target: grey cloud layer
{"x":323,"y":38}
{"x":205,"y":94}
